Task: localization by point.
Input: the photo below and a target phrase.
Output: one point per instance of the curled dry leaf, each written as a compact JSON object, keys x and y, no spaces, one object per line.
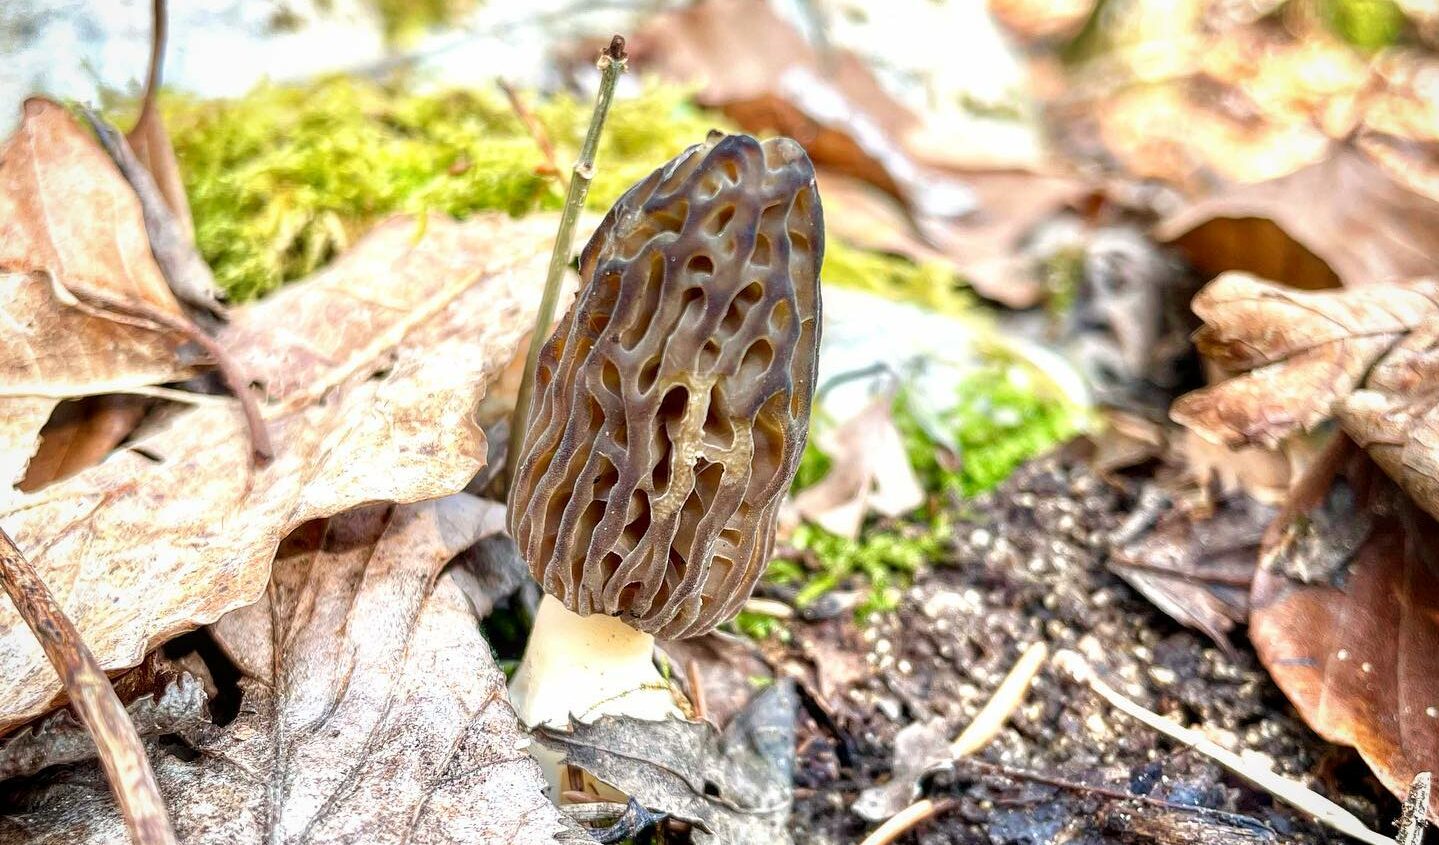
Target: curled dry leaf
{"x":382,"y":717}
{"x":1346,"y":615}
{"x":79,"y":434}
{"x":372,"y":370}
{"x":733,"y":786}
{"x":1344,"y":220}
{"x":1368,"y":355}
{"x":1197,"y":567}
{"x":68,"y":220}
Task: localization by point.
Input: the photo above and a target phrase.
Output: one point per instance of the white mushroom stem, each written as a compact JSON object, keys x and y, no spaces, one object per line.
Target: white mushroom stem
{"x":585,"y":667}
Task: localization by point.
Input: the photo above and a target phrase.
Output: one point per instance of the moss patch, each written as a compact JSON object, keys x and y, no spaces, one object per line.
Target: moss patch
{"x":1004,"y":415}
{"x":283,"y":179}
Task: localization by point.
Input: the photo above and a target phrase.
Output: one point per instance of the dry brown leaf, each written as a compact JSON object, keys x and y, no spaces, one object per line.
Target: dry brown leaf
{"x":373,"y":369}
{"x":1345,"y":220}
{"x":1346,"y":616}
{"x":985,"y":247}
{"x":69,"y":220}
{"x":870,"y":472}
{"x":1304,"y":351}
{"x":384,"y":719}
{"x":766,"y":77}
{"x":1197,"y":567}
{"x":64,"y":209}
{"x":1202,"y":109}
{"x":1368,"y":356}
{"x":148,"y":138}
{"x":79,"y":434}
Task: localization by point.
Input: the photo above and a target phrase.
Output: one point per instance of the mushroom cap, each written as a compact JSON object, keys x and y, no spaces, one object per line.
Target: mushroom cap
{"x":672,"y":402}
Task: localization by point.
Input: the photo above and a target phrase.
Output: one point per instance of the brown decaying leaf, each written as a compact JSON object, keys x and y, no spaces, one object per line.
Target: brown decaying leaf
{"x":1368,"y":355}
{"x":985,"y":247}
{"x":870,"y":473}
{"x":384,"y":718}
{"x":1197,"y":567}
{"x":177,"y":707}
{"x":1344,"y":220}
{"x":1346,"y":615}
{"x":79,"y":434}
{"x":373,"y":369}
{"x":69,"y":220}
{"x":765,"y":76}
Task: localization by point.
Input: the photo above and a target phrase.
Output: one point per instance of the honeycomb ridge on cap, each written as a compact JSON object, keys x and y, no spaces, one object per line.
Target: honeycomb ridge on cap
{"x":673,"y":399}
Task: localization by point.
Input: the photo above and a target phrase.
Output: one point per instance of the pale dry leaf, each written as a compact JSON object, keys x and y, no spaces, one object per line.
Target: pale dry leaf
{"x":385,"y":721}
{"x":870,"y":472}
{"x":69,"y":220}
{"x":65,"y":210}
{"x":1346,"y":616}
{"x":373,"y":368}
{"x":735,"y":786}
{"x":1304,"y":352}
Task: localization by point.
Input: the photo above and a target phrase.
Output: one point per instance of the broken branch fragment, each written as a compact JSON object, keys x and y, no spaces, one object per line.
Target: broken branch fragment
{"x":121,"y":753}
{"x":671,"y":409}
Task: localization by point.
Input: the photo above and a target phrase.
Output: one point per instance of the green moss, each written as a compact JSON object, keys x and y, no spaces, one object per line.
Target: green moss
{"x":286,"y":177}
{"x":1005,"y":414}
{"x":405,"y":20}
{"x":931,"y":284}
{"x":1367,"y":24}
{"x":1002,"y":418}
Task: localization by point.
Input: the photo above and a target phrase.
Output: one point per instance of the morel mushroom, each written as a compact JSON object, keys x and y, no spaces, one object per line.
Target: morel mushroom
{"x":671,"y":406}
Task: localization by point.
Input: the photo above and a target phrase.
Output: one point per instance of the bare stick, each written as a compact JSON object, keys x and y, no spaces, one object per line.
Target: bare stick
{"x":611,"y":64}
{"x":93,"y":699}
{"x":1291,"y":792}
{"x":261,"y":449}
{"x":537,"y":132}
{"x":900,"y":823}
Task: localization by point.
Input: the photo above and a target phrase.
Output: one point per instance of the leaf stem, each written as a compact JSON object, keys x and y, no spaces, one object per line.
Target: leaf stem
{"x":611,"y":64}
{"x":121,"y":753}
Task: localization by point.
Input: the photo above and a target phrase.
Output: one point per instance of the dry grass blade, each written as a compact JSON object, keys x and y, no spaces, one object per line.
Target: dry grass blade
{"x":94,"y":700}
{"x":1290,"y":792}
{"x":906,"y":819}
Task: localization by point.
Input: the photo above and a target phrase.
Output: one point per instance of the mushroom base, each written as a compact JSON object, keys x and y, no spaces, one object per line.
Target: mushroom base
{"x":585,"y":667}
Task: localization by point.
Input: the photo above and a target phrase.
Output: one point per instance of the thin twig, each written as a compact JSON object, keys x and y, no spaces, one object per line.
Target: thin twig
{"x":230,"y":372}
{"x":611,"y":64}
{"x":1416,"y":811}
{"x":121,"y":753}
{"x":537,"y":131}
{"x":1290,"y":792}
{"x":900,"y":823}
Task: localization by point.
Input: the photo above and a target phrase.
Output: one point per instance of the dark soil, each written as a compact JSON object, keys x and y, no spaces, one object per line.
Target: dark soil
{"x":1028,"y":564}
